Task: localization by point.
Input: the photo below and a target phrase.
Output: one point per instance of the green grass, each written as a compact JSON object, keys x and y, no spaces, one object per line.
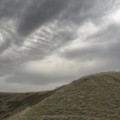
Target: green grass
{"x":94,"y":97}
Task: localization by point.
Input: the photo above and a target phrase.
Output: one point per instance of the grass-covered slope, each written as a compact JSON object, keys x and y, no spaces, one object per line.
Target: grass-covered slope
{"x":14,"y":103}
{"x":94,"y":97}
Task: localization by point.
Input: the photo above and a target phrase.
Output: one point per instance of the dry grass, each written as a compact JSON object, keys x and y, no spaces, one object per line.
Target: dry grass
{"x":94,"y":97}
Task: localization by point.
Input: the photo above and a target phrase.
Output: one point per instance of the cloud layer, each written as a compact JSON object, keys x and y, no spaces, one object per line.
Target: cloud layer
{"x":47,"y":43}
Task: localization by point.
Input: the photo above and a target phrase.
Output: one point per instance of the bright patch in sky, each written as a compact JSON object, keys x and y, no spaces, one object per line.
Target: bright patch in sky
{"x":1,"y":39}
{"x":115,"y":16}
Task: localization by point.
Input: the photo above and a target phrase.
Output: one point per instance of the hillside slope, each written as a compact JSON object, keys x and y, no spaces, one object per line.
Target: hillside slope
{"x":13,"y":103}
{"x":94,"y":97}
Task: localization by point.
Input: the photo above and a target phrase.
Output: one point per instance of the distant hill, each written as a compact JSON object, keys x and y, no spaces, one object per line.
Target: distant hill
{"x":93,"y":97}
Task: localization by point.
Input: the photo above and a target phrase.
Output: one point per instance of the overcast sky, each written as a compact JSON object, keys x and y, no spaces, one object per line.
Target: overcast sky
{"x":48,"y":43}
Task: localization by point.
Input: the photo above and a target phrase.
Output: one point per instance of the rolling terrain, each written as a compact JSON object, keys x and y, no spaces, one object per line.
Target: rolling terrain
{"x":92,"y":97}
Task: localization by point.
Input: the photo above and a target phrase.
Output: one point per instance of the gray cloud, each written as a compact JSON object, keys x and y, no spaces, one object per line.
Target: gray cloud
{"x":103,"y":45}
{"x":29,"y":15}
{"x":38,"y":79}
{"x":12,"y":8}
{"x":40,"y":13}
{"x":109,"y":34}
{"x":5,"y":45}
{"x":87,"y":53}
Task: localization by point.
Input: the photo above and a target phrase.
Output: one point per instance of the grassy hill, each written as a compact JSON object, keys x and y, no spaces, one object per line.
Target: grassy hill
{"x":93,"y":97}
{"x":13,"y":103}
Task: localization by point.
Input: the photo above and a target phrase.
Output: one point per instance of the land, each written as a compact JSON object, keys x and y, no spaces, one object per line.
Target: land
{"x":92,"y":97}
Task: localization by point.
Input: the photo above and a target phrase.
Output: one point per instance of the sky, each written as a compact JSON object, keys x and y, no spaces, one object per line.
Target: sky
{"x":47,"y":43}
